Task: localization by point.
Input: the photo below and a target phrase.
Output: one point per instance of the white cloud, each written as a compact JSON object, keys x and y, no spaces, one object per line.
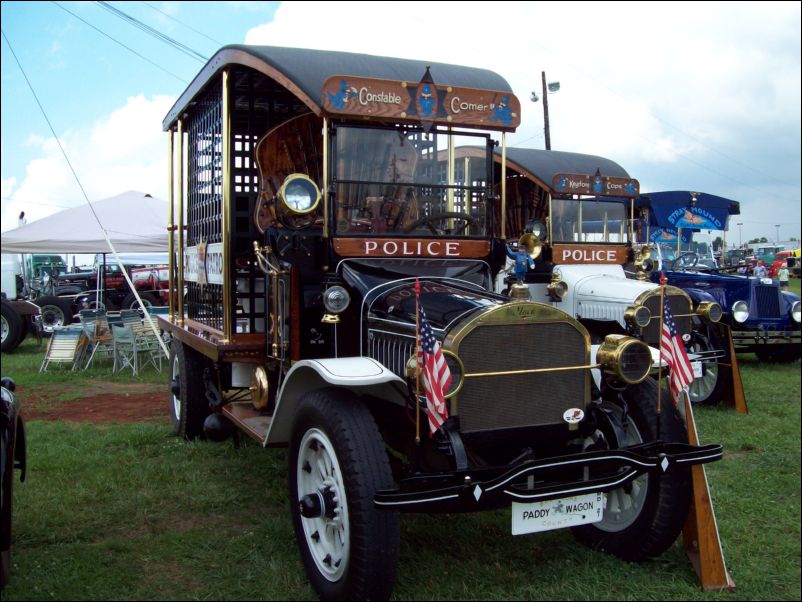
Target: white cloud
{"x":124,"y":150}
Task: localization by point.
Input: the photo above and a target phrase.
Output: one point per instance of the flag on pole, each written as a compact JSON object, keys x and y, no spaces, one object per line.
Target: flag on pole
{"x":436,"y":375}
{"x":672,"y":351}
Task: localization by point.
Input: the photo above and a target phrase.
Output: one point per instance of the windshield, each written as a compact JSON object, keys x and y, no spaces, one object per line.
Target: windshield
{"x":589,"y":221}
{"x":391,"y":182}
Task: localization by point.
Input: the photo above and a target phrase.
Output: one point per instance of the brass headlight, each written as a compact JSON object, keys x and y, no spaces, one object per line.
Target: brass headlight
{"x":638,"y":315}
{"x":709,"y":310}
{"x":299,"y":194}
{"x":557,"y":288}
{"x":625,"y":358}
{"x":455,"y":366}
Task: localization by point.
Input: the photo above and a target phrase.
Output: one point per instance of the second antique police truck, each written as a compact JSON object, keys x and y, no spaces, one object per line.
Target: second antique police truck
{"x":339,"y":261}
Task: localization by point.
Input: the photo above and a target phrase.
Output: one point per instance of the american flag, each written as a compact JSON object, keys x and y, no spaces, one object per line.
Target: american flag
{"x":672,"y":351}
{"x":436,"y":375}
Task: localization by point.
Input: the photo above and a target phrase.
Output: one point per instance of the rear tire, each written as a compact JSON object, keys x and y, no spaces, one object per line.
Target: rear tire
{"x":56,"y":311}
{"x":337,"y":460}
{"x":13,"y":328}
{"x":643,"y":519}
{"x":187,"y":394}
{"x":130,"y":301}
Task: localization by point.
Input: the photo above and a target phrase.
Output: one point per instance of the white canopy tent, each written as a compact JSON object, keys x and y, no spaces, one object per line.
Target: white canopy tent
{"x":135,"y":222}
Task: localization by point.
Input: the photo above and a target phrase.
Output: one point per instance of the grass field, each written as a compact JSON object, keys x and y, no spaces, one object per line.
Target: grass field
{"x":129,"y":512}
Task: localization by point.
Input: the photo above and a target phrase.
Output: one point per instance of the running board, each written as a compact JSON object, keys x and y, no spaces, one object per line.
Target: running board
{"x":248,"y":420}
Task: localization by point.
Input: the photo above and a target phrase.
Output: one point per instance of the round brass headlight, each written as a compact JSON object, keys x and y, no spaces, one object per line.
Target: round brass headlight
{"x":299,"y":193}
{"x":709,"y":310}
{"x":455,"y":366}
{"x":625,"y":358}
{"x":638,"y":315}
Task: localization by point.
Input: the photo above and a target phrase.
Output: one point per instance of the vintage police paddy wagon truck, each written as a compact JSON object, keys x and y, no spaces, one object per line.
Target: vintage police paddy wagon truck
{"x":318,"y":187}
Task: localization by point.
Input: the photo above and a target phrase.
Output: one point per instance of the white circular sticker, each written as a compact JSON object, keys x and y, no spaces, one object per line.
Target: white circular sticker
{"x":573,"y":415}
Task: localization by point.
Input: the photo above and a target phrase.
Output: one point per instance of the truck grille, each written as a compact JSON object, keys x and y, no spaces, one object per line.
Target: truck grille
{"x":768,"y":301}
{"x":509,"y":401}
{"x":680,"y":308}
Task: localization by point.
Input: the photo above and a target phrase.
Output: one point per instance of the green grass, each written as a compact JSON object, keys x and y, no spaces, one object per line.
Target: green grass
{"x":131,"y":513}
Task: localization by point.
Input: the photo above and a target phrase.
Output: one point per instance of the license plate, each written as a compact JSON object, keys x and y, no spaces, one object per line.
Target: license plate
{"x":697,"y":369}
{"x":533,"y":517}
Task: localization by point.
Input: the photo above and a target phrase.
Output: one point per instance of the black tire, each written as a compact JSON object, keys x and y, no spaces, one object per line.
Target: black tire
{"x":716,"y":376}
{"x":13,"y":328}
{"x":56,"y":311}
{"x":187,"y":394}
{"x":642,"y":520}
{"x":778,"y":354}
{"x":6,"y":501}
{"x":356,"y":555}
{"x":130,"y":301}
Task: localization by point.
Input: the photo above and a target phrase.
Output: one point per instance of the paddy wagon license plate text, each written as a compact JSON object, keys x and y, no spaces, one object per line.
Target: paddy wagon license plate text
{"x":557,"y":514}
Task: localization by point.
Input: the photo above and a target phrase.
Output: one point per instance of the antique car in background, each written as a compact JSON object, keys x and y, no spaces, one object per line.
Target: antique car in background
{"x":340,"y":302}
{"x":12,"y":457}
{"x":578,"y":209}
{"x":762,"y":318}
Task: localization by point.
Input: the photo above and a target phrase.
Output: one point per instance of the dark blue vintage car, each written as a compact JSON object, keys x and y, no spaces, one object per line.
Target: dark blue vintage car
{"x":762,"y":318}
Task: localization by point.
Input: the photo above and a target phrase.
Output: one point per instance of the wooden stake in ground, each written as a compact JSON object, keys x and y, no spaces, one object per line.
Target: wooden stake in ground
{"x":734,"y":397}
{"x":700,"y":534}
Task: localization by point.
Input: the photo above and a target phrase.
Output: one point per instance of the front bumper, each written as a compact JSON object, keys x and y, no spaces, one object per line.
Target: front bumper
{"x":765,"y":336}
{"x":537,"y":480}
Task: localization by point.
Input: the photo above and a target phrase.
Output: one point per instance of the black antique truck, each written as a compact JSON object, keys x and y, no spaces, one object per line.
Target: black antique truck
{"x":325,"y":229}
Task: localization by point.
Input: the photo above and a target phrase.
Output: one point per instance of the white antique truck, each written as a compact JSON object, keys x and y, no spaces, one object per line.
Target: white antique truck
{"x":313,"y":192}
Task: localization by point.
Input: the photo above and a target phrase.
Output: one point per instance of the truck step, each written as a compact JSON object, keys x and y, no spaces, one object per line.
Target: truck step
{"x":248,"y":420}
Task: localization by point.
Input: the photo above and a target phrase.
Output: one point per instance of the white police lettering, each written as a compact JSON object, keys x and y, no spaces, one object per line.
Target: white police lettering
{"x":433,"y":248}
{"x":457,"y":106}
{"x":588,"y":255}
{"x":365,"y":96}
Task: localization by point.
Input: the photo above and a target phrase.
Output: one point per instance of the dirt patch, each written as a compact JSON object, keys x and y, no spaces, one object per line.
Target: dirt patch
{"x":97,"y":402}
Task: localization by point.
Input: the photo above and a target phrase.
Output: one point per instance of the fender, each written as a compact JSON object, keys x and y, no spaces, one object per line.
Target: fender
{"x":362,"y":375}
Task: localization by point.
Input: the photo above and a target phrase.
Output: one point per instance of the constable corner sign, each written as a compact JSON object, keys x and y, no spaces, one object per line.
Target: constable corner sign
{"x":596,"y":185}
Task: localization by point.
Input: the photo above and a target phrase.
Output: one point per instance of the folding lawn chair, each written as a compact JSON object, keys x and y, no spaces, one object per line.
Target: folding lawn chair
{"x":125,"y":351}
{"x":65,"y":347}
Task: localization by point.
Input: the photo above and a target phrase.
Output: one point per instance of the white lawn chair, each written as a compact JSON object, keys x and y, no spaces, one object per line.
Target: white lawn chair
{"x":65,"y":347}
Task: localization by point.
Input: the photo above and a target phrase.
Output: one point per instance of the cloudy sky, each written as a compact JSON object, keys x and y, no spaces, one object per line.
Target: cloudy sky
{"x":685,"y":96}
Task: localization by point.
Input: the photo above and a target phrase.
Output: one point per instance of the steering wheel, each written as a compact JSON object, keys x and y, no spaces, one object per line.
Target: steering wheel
{"x":430,"y":222}
{"x":688,"y":260}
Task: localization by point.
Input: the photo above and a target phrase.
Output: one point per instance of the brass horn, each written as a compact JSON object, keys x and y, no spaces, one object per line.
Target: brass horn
{"x":532,"y":244}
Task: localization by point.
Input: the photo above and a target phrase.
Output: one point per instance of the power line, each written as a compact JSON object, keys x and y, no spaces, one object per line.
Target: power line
{"x":200,"y":33}
{"x":144,"y":58}
{"x":154,"y":33}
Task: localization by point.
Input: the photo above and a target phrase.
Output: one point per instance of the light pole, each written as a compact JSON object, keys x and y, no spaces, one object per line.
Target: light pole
{"x":740,"y":235}
{"x":777,"y":240}
{"x":551,"y":88}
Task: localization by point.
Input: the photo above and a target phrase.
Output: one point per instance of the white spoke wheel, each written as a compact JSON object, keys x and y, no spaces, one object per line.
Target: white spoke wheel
{"x":337,"y":462}
{"x":321,"y":489}
{"x":709,"y":388}
{"x":643,"y":518}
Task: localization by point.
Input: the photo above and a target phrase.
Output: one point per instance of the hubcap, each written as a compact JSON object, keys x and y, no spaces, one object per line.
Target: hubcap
{"x":52,"y":316}
{"x":323,"y":504}
{"x":5,"y":328}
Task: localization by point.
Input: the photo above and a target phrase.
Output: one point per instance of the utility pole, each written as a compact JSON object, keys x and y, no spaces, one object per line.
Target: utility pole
{"x":546,"y":112}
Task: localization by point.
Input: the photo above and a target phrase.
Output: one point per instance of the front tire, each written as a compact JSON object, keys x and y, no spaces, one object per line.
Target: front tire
{"x":187,"y":401}
{"x":643,"y":519}
{"x":337,"y":462}
{"x":710,"y":387}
